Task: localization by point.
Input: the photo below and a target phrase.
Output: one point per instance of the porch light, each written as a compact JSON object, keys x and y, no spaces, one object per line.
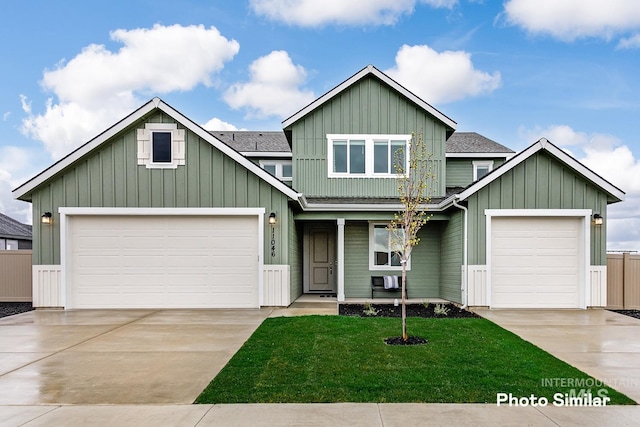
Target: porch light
{"x":272,"y":218}
{"x":597,"y":219}
{"x":46,"y":218}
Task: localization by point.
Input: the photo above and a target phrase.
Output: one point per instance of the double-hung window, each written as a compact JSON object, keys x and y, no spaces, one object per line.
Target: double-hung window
{"x":384,"y":248}
{"x":380,"y":156}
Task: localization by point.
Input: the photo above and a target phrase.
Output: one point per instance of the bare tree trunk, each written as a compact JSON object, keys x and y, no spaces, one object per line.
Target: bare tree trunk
{"x":404,"y":300}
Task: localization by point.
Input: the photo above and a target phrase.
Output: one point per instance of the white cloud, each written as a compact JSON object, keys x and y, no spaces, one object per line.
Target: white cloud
{"x":608,"y":157}
{"x":314,"y":13}
{"x":572,"y":19}
{"x":273,"y":89}
{"x":5,"y":116}
{"x":440,"y":77}
{"x":26,"y":105}
{"x":217,"y":124}
{"x":15,"y":164}
{"x":632,"y":42}
{"x":98,"y":87}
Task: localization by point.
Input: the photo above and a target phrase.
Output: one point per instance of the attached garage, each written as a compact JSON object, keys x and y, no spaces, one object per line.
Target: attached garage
{"x":162,"y":258}
{"x":537,"y":261}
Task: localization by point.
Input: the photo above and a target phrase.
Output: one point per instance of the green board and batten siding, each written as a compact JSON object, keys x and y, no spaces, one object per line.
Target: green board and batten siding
{"x":111,"y":177}
{"x":423,"y":279}
{"x":540,"y":182}
{"x":368,"y":107}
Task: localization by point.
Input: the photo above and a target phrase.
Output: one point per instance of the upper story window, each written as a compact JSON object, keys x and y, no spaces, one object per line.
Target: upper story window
{"x":352,"y":156}
{"x":8,"y":245}
{"x":281,"y":169}
{"x":481,"y":168}
{"x":383,"y":250}
{"x":161,"y":146}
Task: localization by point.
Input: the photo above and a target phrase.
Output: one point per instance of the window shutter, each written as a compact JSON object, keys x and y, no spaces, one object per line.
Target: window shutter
{"x":144,"y":146}
{"x":179,"y":146}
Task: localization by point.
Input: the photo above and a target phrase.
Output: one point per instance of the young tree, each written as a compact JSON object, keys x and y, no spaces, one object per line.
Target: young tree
{"x":414,"y":189}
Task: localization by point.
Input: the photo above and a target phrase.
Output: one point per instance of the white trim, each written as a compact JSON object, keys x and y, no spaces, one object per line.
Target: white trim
{"x":481,"y":164}
{"x":155,"y":103}
{"x":278,"y":164}
{"x":274,"y":154}
{"x":585,"y":214}
{"x":73,"y":211}
{"x":543,"y":144}
{"x":340,"y":255}
{"x":369,"y":153}
{"x":372,"y":266}
{"x":369,"y":69}
{"x":480,"y":155}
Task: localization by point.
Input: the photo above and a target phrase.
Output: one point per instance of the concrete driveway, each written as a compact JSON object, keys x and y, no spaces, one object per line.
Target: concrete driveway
{"x":603,"y":344}
{"x":117,"y":356}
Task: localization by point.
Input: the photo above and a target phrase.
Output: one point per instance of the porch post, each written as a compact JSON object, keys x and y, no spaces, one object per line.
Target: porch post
{"x":340,"y":261}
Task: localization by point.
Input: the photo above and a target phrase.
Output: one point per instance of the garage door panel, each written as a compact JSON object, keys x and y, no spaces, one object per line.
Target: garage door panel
{"x":173,"y":262}
{"x":535,"y":262}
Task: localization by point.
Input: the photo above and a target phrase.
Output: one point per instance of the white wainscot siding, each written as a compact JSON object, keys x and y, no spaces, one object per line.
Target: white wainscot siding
{"x":598,"y":282}
{"x":47,"y":286}
{"x":477,"y":285}
{"x":276,"y":286}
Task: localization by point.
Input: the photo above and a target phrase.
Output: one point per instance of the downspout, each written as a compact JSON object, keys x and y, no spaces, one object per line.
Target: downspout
{"x":465,"y":276}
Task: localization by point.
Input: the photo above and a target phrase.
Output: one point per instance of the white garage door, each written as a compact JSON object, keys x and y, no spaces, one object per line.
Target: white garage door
{"x":162,"y":261}
{"x":535,"y":262}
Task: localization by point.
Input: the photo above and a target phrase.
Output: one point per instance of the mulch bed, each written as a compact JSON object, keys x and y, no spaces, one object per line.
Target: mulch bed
{"x":630,"y":313}
{"x":413,"y":310}
{"x":11,"y":308}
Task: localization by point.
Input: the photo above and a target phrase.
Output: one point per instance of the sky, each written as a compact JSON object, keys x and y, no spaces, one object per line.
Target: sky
{"x":514,"y":71}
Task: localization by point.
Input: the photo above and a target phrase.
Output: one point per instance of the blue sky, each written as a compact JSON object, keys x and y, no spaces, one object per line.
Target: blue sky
{"x":514,"y":71}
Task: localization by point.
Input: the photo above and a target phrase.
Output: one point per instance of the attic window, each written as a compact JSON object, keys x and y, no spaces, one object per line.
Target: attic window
{"x":161,"y":146}
{"x":481,"y":168}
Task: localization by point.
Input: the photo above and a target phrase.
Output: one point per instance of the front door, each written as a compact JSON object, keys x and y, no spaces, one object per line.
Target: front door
{"x":322,"y":246}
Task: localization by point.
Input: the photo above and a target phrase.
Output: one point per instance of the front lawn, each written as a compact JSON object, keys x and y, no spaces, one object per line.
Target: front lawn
{"x":344,"y":359}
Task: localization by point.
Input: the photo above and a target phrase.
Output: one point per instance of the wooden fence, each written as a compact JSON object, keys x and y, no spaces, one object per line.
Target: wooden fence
{"x":15,"y":276}
{"x":623,"y":281}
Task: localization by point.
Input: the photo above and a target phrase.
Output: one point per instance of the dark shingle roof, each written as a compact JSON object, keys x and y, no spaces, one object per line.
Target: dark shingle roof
{"x":248,"y":141}
{"x":472,"y":142}
{"x":9,"y":227}
{"x":276,"y":142}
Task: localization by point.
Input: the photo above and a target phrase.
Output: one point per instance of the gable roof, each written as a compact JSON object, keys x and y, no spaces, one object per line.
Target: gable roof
{"x":470,"y":144}
{"x":11,"y":228}
{"x":255,"y":143}
{"x":140,"y":113}
{"x":543,"y":145}
{"x":370,"y":70}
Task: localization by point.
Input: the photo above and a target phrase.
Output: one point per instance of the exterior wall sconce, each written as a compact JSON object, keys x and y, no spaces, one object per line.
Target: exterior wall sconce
{"x":46,"y":218}
{"x":272,"y":218}
{"x":597,"y":219}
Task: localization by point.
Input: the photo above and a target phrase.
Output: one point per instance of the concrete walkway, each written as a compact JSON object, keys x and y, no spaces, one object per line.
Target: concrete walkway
{"x":603,"y":344}
{"x":333,"y":415}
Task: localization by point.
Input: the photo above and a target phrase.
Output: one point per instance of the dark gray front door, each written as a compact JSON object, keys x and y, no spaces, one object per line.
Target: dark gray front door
{"x":322,"y":246}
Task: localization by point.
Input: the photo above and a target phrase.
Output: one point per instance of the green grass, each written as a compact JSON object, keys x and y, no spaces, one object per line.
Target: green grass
{"x":344,"y":359}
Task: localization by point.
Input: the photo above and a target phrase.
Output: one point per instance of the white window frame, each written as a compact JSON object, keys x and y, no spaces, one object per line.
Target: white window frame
{"x":279,"y":164}
{"x":369,"y":140}
{"x":481,"y":164}
{"x":372,"y":265}
{"x":145,"y":145}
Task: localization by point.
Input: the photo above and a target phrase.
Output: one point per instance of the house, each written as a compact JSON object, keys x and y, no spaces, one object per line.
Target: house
{"x":158,"y":212}
{"x":14,"y":235}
